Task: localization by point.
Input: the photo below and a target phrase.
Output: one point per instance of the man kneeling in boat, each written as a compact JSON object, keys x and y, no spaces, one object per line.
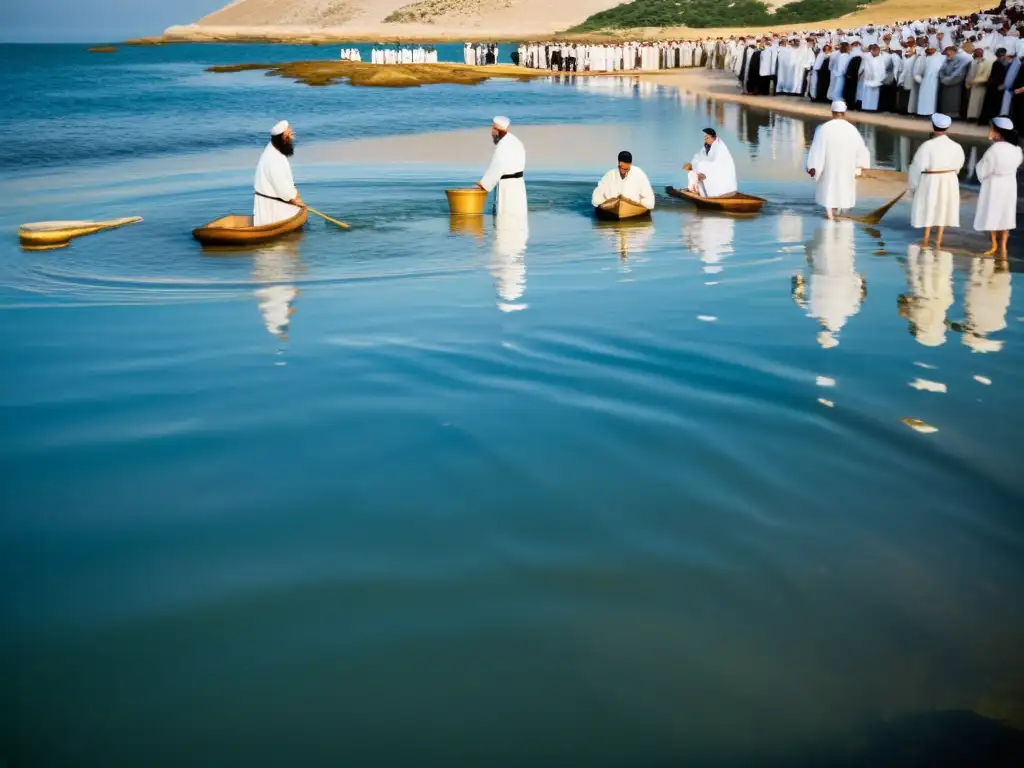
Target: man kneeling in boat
{"x":626,"y":181}
{"x":276,"y":199}
{"x":712,"y":172}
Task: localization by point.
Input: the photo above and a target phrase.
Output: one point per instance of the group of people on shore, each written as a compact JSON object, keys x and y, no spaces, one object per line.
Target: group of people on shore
{"x":396,"y":55}
{"x":480,"y":54}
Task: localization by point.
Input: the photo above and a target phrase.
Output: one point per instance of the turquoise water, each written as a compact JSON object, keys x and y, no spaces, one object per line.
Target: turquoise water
{"x":423,"y":493}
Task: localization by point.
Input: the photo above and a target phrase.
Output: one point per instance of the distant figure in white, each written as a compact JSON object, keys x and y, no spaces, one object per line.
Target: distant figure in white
{"x":712,"y":171}
{"x":997,"y":172}
{"x":508,"y":164}
{"x":626,"y":181}
{"x":933,"y":180}
{"x":835,"y":160}
{"x":276,"y":198}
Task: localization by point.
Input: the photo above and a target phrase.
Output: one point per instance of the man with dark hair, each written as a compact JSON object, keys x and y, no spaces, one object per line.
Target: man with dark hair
{"x":276,"y":197}
{"x":625,"y":181}
{"x":852,"y":77}
{"x":993,"y":102}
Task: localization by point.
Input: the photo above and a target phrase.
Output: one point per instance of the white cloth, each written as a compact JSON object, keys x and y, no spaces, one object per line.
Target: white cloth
{"x":997,"y":203}
{"x":837,"y":67}
{"x":928,"y":84}
{"x":936,"y":195}
{"x":719,"y":168}
{"x":636,"y":187}
{"x":873,"y":72}
{"x":273,"y":178}
{"x":837,"y":154}
{"x":509,"y":157}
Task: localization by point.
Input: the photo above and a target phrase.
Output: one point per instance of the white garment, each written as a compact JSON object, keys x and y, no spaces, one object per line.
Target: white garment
{"x":928,"y":84}
{"x":635,"y":187}
{"x":508,"y":262}
{"x":719,"y":168}
{"x":936,"y":195}
{"x":273,"y":178}
{"x":509,"y":157}
{"x":997,"y":203}
{"x":837,"y":67}
{"x":986,"y":301}
{"x":872,"y":70}
{"x":836,"y":289}
{"x":837,"y":154}
{"x":930,"y":280}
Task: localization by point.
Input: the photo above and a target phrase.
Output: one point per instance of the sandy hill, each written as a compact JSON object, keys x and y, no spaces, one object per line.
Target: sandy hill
{"x":436,"y":20}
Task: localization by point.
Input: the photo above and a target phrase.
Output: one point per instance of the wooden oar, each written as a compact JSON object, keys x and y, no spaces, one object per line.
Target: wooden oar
{"x":341,"y":224}
{"x":876,"y":216}
{"x":56,"y":234}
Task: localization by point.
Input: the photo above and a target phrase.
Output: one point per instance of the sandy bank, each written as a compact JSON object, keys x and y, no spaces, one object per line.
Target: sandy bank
{"x":322,"y":73}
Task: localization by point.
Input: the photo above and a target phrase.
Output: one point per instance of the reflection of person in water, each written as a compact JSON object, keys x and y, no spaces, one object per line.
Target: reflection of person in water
{"x":276,"y":264}
{"x":508,"y":261}
{"x":836,"y":291}
{"x":628,"y":237}
{"x":929,"y":294}
{"x":710,"y":237}
{"x":986,"y":301}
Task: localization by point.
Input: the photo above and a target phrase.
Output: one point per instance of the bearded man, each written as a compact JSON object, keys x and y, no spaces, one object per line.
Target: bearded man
{"x":276,"y":198}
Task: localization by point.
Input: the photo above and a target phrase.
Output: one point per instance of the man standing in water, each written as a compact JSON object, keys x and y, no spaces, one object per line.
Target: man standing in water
{"x":506,"y":170}
{"x":276,"y":198}
{"x":836,"y":157}
{"x":933,"y":180}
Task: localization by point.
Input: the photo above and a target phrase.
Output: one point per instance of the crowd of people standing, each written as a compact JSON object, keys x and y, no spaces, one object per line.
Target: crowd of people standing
{"x":403,"y":54}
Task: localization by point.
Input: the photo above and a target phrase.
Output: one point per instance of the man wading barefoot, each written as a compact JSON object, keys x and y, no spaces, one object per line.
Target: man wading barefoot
{"x":933,"y":181}
{"x":835,"y":160}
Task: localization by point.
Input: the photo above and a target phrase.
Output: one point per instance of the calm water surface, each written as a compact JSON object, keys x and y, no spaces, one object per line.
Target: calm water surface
{"x":437,"y":492}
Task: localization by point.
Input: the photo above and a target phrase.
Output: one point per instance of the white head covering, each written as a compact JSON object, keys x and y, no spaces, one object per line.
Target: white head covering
{"x":501,"y":123}
{"x":1003,"y":123}
{"x":941,"y":122}
{"x":280,"y":128}
{"x":838,"y":106}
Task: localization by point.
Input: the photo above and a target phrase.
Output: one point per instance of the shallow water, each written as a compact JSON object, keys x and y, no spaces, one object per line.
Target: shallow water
{"x":431,"y":491}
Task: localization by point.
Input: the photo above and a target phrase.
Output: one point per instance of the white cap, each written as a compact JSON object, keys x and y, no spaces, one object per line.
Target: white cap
{"x":501,"y":123}
{"x":941,"y":122}
{"x":838,"y":106}
{"x":280,"y":128}
{"x":1003,"y":123}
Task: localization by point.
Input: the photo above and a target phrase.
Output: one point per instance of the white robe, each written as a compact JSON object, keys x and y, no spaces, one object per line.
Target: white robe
{"x":837,"y":154}
{"x":509,"y":157}
{"x":273,"y":178}
{"x":997,"y":203}
{"x":872,"y":70}
{"x":836,"y":289}
{"x":986,"y":300}
{"x":936,"y":195}
{"x":837,"y":67}
{"x":928,"y":84}
{"x":508,"y":261}
{"x":930,"y":283}
{"x":719,"y":168}
{"x":635,"y":187}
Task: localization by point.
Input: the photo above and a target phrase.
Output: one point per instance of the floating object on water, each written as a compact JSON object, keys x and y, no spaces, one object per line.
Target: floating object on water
{"x":824,"y":381}
{"x":928,"y":386}
{"x":621,"y":208}
{"x":239,"y":230}
{"x":707,"y":318}
{"x":466,"y":202}
{"x":341,"y":224}
{"x":919,"y":426}
{"x":983,"y":380}
{"x":46,"y":235}
{"x":736,"y":202}
{"x":826,"y":403}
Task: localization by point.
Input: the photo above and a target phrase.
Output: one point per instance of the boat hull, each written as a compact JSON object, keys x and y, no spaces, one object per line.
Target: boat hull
{"x":737,"y":202}
{"x":620,"y":208}
{"x":44,"y":235}
{"x":238,"y":230}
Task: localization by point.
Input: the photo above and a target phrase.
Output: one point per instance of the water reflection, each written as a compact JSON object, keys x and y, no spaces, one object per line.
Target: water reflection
{"x":711,"y":238}
{"x":472,"y":226}
{"x":628,"y":237}
{"x":835,"y":290}
{"x":986,"y":301}
{"x":929,"y":294}
{"x":508,"y":261}
{"x":277,"y":263}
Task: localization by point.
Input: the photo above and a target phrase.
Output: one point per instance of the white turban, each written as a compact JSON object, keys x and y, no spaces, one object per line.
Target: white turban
{"x":280,"y":128}
{"x":501,"y":123}
{"x":1003,"y":123}
{"x":838,"y":106}
{"x":941,"y":122}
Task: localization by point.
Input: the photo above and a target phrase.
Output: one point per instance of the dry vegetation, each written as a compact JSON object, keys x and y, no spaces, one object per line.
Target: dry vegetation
{"x":430,"y":11}
{"x":321,"y":73}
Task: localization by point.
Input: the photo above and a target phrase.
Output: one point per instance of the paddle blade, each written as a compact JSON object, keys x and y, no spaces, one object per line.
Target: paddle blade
{"x":876,"y":216}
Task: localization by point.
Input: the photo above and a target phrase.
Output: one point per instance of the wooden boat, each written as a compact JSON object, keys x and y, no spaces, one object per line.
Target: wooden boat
{"x":469,"y":202}
{"x":620,"y":208}
{"x":44,"y":235}
{"x":239,"y":230}
{"x":737,"y":202}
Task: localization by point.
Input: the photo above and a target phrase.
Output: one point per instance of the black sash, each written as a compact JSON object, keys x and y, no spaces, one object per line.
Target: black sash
{"x":271,"y":197}
{"x":518,"y":175}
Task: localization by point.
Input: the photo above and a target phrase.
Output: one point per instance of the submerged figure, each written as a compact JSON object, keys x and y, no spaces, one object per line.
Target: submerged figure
{"x":929,"y":294}
{"x":276,"y":198}
{"x":506,"y":170}
{"x":625,"y":181}
{"x":712,"y":171}
{"x":835,"y":290}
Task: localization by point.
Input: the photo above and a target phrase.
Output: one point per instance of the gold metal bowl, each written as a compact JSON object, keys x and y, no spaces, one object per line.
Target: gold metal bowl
{"x":466,"y":201}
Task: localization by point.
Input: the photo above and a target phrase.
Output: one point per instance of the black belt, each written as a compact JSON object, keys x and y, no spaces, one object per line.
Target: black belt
{"x":271,"y":197}
{"x":512,"y":176}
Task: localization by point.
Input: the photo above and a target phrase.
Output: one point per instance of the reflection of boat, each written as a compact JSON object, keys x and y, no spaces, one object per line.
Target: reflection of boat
{"x":239,"y":230}
{"x":630,"y":236}
{"x":466,"y":225}
{"x":737,"y":202}
{"x":43,"y":235}
{"x":620,"y":208}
